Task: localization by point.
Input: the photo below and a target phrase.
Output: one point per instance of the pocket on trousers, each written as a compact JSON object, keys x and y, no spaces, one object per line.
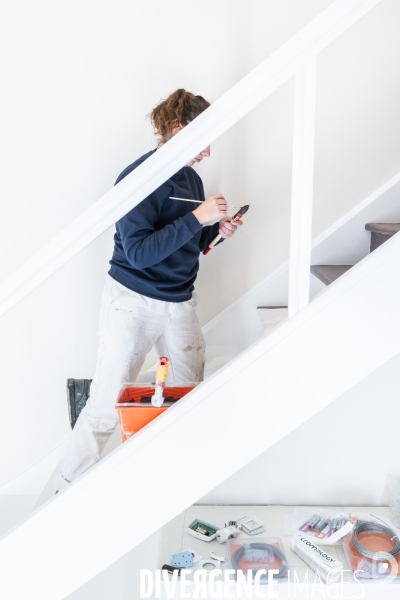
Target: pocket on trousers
{"x":124,"y":299}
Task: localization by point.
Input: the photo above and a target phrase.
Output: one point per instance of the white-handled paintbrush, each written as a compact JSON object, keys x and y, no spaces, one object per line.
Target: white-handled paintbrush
{"x":197,"y":201}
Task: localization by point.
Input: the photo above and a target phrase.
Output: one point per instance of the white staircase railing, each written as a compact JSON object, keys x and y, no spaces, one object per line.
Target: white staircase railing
{"x":130,"y":494}
{"x":295,"y":56}
{"x":302,"y":186}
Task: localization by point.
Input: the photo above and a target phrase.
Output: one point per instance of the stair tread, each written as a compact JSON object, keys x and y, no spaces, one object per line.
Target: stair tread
{"x":269,"y":307}
{"x":329,"y":273}
{"x":271,"y":316}
{"x":383,"y":228}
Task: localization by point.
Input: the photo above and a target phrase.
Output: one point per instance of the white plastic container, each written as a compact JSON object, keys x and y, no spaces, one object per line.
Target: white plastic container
{"x":196,"y":524}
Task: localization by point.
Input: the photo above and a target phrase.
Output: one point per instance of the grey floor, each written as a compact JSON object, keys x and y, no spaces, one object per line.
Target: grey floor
{"x":122,"y":579}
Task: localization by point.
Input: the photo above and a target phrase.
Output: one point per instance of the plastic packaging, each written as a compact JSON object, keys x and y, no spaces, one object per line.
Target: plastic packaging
{"x":394,"y":498}
{"x":328,"y":567}
{"x":134,"y":406}
{"x":319,"y":524}
{"x":379,"y":567}
{"x":250,"y":556}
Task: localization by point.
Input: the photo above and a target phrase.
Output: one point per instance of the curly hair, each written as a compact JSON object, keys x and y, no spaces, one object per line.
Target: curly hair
{"x":179,"y":108}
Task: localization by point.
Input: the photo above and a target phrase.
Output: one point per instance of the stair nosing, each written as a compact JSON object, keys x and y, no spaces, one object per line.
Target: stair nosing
{"x":386,"y":229}
{"x":269,"y":307}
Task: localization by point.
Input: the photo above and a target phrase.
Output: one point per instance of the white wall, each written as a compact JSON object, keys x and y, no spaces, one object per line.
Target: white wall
{"x":79,"y":80}
{"x":357,"y":147}
{"x":335,"y":458}
{"x":340,"y":457}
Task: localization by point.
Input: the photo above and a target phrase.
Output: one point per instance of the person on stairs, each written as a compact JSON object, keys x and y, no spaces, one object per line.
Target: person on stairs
{"x":148,"y":298}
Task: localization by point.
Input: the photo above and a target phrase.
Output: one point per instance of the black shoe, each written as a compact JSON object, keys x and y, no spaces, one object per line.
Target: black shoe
{"x":78,"y":392}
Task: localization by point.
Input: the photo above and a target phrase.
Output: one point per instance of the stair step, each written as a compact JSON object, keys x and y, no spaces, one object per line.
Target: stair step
{"x":388,"y":229}
{"x":329,"y":273}
{"x":381,"y":232}
{"x":217,"y":357}
{"x":271,"y":316}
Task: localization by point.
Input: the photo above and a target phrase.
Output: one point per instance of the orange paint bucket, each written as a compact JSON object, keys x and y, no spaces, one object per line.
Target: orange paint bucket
{"x":134,"y":406}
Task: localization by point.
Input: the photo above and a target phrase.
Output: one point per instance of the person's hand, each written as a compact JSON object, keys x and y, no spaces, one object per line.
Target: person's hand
{"x":227,"y":228}
{"x":210,"y":209}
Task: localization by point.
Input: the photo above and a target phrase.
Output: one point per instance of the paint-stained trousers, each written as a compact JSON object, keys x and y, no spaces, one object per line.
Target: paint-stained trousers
{"x":130,"y":325}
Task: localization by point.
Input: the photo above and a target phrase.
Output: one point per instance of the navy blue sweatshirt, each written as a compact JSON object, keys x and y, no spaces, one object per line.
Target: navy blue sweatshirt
{"x":157,"y":244}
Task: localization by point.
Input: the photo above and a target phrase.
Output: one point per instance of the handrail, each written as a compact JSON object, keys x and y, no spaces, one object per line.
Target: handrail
{"x":217,"y":119}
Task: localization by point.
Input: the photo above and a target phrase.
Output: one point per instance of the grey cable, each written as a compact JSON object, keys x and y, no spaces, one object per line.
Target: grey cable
{"x":369,"y":526}
{"x":261,"y":546}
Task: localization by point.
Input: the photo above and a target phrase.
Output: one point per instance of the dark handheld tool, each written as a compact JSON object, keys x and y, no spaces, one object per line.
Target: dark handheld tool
{"x":242,"y":211}
{"x":171,"y":569}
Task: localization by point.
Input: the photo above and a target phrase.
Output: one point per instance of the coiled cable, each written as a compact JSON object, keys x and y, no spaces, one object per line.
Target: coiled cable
{"x":238,"y":554}
{"x":371,"y":527}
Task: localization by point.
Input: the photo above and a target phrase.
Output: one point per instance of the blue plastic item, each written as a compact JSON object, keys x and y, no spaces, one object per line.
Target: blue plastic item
{"x":182,"y":559}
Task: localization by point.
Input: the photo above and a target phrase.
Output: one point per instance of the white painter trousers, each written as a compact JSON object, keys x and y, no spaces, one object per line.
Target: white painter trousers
{"x":130,"y":325}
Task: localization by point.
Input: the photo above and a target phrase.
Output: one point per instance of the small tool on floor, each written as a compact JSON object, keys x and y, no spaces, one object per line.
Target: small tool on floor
{"x":242,"y":211}
{"x":161,"y":375}
{"x":171,"y":569}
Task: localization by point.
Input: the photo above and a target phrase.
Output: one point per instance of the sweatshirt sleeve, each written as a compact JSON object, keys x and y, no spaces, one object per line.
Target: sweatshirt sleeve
{"x":144,"y":246}
{"x":209,"y":233}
